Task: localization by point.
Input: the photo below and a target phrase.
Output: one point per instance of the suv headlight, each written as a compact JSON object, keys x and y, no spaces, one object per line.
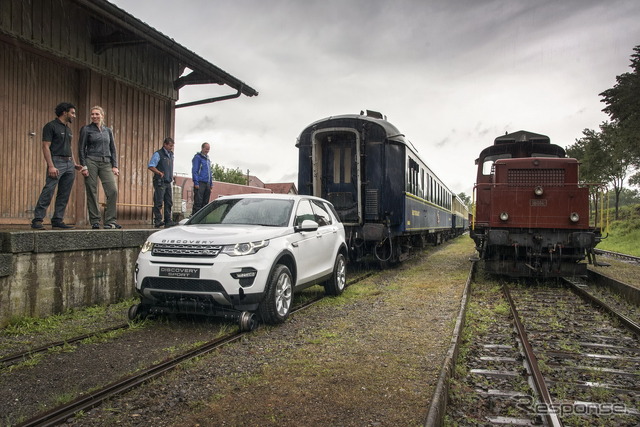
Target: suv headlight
{"x":146,"y":247}
{"x":240,"y":249}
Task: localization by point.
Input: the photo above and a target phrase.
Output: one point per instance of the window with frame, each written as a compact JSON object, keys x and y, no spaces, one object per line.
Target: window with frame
{"x":322,"y":214}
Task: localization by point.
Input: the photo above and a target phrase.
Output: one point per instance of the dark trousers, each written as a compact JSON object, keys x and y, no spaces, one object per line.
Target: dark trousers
{"x":162,"y":194}
{"x":201,"y":196}
{"x":64,"y":181}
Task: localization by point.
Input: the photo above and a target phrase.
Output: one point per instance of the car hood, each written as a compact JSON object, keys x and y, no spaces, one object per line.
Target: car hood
{"x":217,"y":234}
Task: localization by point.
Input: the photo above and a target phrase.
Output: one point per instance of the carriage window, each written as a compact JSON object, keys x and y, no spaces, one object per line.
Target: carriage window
{"x":341,"y":165}
{"x":412,"y":179}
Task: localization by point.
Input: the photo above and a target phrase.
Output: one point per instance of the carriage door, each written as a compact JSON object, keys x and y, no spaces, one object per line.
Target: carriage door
{"x":336,"y":171}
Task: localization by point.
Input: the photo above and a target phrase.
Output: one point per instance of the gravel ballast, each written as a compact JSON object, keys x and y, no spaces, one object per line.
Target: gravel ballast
{"x":369,"y":357}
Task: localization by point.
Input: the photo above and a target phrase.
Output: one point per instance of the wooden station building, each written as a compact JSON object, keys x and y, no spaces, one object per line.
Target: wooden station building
{"x":89,"y":52}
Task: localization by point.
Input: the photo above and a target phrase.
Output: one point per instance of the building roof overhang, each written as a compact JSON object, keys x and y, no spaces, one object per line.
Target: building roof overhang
{"x":132,"y":31}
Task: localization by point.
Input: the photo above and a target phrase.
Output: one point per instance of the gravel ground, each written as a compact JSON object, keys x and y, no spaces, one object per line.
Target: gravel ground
{"x":369,"y":357}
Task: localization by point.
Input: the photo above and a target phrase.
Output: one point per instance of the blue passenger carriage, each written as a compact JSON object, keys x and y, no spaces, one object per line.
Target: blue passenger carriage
{"x":387,"y":197}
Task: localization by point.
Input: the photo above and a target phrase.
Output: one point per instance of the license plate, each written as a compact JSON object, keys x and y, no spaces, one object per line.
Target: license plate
{"x":193,"y":273}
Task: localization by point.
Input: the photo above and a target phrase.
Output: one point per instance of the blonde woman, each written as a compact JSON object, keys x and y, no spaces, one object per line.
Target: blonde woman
{"x":99,"y":160}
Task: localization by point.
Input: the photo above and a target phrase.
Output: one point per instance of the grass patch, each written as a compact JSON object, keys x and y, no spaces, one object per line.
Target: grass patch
{"x":624,"y":234}
{"x":25,"y":325}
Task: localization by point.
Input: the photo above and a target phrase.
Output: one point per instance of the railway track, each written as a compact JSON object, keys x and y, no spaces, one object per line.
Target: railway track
{"x":90,"y":400}
{"x":567,"y":363}
{"x":15,"y":358}
{"x":623,"y":257}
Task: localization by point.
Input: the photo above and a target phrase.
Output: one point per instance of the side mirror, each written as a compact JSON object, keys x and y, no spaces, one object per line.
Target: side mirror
{"x":307,"y":225}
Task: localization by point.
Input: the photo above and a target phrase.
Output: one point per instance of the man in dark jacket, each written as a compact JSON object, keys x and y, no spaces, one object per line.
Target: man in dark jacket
{"x":161,"y":164}
{"x":201,"y":174}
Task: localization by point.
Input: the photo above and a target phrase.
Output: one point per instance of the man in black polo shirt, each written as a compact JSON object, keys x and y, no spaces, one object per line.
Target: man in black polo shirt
{"x":61,"y":167}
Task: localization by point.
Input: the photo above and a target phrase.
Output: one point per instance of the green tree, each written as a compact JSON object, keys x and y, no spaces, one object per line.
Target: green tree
{"x":588,"y":150}
{"x":623,"y":106}
{"x":606,"y":157}
{"x":233,"y":176}
{"x":465,"y":199}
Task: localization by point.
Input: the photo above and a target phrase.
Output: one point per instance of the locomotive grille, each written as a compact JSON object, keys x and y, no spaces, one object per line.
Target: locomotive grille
{"x":164,"y":249}
{"x":526,"y":177}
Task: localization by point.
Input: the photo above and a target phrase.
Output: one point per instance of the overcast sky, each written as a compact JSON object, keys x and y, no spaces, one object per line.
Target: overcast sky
{"x":450,"y":74}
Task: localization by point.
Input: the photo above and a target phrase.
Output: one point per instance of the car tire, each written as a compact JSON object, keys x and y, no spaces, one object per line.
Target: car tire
{"x":336,"y":284}
{"x":276,"y":305}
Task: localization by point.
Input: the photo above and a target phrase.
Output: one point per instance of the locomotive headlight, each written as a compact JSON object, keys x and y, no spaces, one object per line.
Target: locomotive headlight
{"x":574,"y":217}
{"x":504,"y":216}
{"x":538,"y":190}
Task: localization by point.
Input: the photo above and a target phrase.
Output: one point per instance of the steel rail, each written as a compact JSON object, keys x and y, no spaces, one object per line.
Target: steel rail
{"x":536,"y":374}
{"x":617,"y":255}
{"x":14,"y":358}
{"x":580,"y":290}
{"x":96,"y":397}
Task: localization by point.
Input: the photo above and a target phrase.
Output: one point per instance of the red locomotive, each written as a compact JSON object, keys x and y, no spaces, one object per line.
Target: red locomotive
{"x":532,"y":214}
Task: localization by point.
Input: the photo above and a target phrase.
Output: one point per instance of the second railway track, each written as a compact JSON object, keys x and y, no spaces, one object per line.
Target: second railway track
{"x":583,"y":366}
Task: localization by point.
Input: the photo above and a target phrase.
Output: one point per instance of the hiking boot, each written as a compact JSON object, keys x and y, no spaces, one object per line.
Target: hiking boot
{"x":37,"y":225}
{"x":113,"y":225}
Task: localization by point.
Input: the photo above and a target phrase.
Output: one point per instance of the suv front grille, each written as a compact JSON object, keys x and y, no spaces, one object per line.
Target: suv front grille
{"x":182,"y":285}
{"x":185,"y":250}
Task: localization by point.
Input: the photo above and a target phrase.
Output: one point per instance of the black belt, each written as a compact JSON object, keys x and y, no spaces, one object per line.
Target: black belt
{"x":64,"y":157}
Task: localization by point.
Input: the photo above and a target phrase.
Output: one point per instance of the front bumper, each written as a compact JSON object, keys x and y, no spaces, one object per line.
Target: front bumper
{"x":199,"y":285}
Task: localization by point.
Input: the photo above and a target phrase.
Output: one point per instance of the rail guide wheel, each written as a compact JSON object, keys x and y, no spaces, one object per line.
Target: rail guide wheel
{"x":137,"y":312}
{"x":247,"y":321}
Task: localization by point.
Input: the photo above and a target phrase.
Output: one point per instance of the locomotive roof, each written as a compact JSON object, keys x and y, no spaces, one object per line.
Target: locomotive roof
{"x":522,"y":136}
{"x":522,"y":144}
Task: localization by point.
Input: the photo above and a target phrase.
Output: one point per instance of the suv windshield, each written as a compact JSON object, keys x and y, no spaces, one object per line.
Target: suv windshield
{"x":268,"y":212}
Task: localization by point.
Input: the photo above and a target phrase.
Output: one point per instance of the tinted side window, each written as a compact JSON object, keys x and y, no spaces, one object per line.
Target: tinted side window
{"x":304,"y":212}
{"x":334,"y":211}
{"x":322,"y":215}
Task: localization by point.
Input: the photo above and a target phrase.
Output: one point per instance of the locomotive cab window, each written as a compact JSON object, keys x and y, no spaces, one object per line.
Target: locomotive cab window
{"x":487,"y":165}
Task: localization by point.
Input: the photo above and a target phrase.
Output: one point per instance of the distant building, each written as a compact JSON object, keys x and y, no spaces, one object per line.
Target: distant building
{"x":282,"y":187}
{"x":277,"y":187}
{"x":225,"y":189}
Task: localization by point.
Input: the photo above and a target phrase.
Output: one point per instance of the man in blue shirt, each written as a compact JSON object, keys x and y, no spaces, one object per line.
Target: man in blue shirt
{"x":201,"y":174}
{"x":161,"y":164}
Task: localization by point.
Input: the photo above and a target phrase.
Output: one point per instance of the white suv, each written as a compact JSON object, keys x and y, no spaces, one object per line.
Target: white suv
{"x":242,"y":254}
